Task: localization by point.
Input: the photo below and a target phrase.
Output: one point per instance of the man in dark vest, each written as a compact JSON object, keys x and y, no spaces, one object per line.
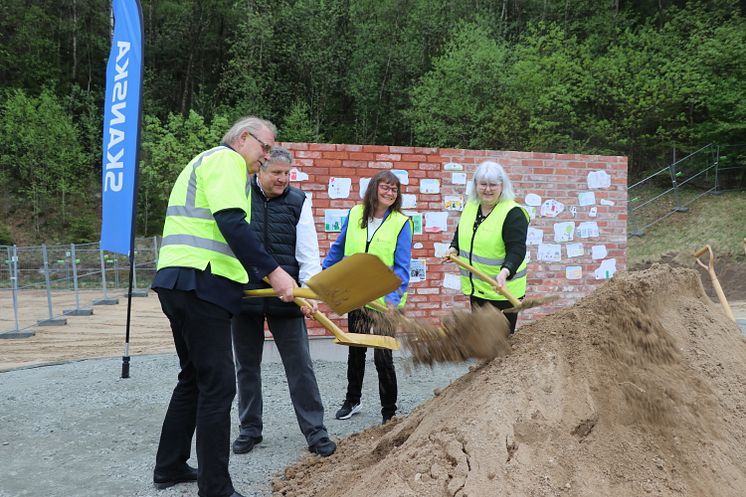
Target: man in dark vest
{"x":281,"y":217}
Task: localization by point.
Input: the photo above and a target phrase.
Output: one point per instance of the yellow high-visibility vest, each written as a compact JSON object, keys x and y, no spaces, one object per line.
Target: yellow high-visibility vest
{"x":485,"y":250}
{"x":215,"y":180}
{"x":383,"y":243}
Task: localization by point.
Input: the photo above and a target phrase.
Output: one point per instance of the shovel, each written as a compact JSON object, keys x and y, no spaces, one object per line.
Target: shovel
{"x":347,"y":285}
{"x":517,"y":304}
{"x":710,"y":267}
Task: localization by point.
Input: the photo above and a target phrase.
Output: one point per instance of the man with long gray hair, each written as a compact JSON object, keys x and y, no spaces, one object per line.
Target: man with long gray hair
{"x":206,"y":256}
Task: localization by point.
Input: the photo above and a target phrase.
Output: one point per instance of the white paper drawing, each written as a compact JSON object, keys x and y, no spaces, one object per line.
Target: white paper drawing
{"x":598,"y":252}
{"x":436,"y":222}
{"x":441,"y":249}
{"x":339,"y":187}
{"x":551,"y":208}
{"x":469,"y":188}
{"x":599,"y":179}
{"x":532,"y":199}
{"x":333,"y":219}
{"x":431,"y":186}
{"x":593,"y":212}
{"x":531,"y":211}
{"x":534,"y":236}
{"x":309,"y":197}
{"x":574,"y":249}
{"x":549,"y":252}
{"x":586,"y":198}
{"x":606,"y":202}
{"x":417,"y":270}
{"x":453,"y":166}
{"x":458,"y":178}
{"x":408,"y":201}
{"x":563,"y":232}
{"x":418,"y":245}
{"x":402,"y":174}
{"x":606,"y":270}
{"x":297,"y":175}
{"x":453,"y":202}
{"x":574,"y":272}
{"x":416,"y":218}
{"x":452,"y":281}
{"x":364,"y":186}
{"x":588,"y":229}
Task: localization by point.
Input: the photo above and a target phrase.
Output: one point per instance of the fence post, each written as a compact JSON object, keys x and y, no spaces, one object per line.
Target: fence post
{"x":51,"y":321}
{"x":77,"y":311}
{"x":13,"y":271}
{"x":675,"y":184}
{"x":106,"y":300}
{"x":135,"y":291}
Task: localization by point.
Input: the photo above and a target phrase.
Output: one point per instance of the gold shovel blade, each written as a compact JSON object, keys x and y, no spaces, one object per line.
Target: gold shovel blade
{"x":353,"y":282}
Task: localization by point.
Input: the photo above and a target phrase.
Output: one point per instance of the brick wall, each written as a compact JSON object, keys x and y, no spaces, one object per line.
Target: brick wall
{"x":553,"y":177}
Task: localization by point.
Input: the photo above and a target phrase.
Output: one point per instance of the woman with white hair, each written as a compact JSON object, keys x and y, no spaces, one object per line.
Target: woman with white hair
{"x":491,"y":236}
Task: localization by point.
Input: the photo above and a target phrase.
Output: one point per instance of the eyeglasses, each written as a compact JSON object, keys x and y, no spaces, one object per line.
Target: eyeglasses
{"x":265,"y":147}
{"x":484,"y":186}
{"x":388,"y":188}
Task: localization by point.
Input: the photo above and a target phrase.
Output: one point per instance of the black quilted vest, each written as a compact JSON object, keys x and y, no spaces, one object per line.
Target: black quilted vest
{"x":274,"y":221}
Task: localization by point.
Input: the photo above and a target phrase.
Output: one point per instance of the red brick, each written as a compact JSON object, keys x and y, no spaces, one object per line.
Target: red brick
{"x":322,"y":146}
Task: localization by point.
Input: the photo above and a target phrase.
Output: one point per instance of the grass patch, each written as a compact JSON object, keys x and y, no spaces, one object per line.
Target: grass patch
{"x":717,"y":220}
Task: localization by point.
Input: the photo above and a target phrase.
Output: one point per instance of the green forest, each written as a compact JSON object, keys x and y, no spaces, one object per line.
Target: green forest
{"x":622,"y":77}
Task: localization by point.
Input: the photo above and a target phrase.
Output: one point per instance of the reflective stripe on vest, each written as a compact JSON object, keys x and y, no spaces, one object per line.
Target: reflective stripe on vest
{"x":485,"y":250}
{"x":382,"y":244}
{"x":191,"y":237}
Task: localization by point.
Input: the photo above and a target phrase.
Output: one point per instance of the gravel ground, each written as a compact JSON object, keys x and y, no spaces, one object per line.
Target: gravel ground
{"x":77,"y":429}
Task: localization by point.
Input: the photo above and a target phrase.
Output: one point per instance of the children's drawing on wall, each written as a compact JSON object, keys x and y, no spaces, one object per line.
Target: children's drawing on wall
{"x":333,"y":219}
{"x":532,"y":199}
{"x":549,"y":252}
{"x":606,"y":270}
{"x":435,"y":222}
{"x":534,"y":236}
{"x":606,"y":202}
{"x":417,"y":270}
{"x":588,"y":229}
{"x":563,"y":232}
{"x":429,"y":186}
{"x":573,"y":211}
{"x":453,"y":166}
{"x":339,"y":187}
{"x":453,"y":202}
{"x":574,"y":249}
{"x":363,"y":186}
{"x":551,"y":208}
{"x":586,"y":198}
{"x":598,"y":252}
{"x":416,"y":218}
{"x":458,"y":178}
{"x":451,"y":281}
{"x":402,"y":174}
{"x":297,"y":175}
{"x":408,"y":201}
{"x":574,"y":272}
{"x":441,"y":249}
{"x":599,"y":179}
{"x":593,"y":212}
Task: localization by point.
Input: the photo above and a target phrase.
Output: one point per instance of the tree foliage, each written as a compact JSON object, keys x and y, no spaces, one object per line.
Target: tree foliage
{"x":625,"y":77}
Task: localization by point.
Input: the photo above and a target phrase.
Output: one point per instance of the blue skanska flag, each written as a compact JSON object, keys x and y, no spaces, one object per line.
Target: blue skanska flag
{"x":122,"y":117}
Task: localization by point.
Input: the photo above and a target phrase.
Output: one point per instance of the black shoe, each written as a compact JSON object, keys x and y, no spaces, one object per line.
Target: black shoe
{"x":161,"y":481}
{"x":386,"y":418}
{"x":348,"y":409}
{"x":245,"y":443}
{"x":323,"y":447}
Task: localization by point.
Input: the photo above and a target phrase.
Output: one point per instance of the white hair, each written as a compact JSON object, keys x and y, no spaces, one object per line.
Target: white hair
{"x":252,"y":124}
{"x":492,"y":172}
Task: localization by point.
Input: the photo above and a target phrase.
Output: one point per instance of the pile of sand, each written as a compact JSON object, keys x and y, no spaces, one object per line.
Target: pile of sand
{"x":638,"y":389}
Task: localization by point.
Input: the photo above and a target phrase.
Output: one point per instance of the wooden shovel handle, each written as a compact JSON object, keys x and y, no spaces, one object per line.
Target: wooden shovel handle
{"x":321,"y":318}
{"x":269,"y":292}
{"x":714,"y":279}
{"x":501,"y":290}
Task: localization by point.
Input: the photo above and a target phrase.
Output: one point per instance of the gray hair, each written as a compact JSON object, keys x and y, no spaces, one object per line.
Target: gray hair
{"x":493,"y":172}
{"x":278,"y":154}
{"x":252,"y":124}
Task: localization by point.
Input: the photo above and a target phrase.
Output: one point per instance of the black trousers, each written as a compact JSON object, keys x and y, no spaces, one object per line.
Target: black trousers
{"x":204,"y":393}
{"x":500,"y":304}
{"x":359,"y":322}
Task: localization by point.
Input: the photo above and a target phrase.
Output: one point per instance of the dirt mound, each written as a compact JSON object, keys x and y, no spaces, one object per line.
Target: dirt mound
{"x":639,"y":388}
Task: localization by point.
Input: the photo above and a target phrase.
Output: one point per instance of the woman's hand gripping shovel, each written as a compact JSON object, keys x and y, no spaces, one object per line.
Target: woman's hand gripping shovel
{"x":517,"y":304}
{"x":347,"y":285}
